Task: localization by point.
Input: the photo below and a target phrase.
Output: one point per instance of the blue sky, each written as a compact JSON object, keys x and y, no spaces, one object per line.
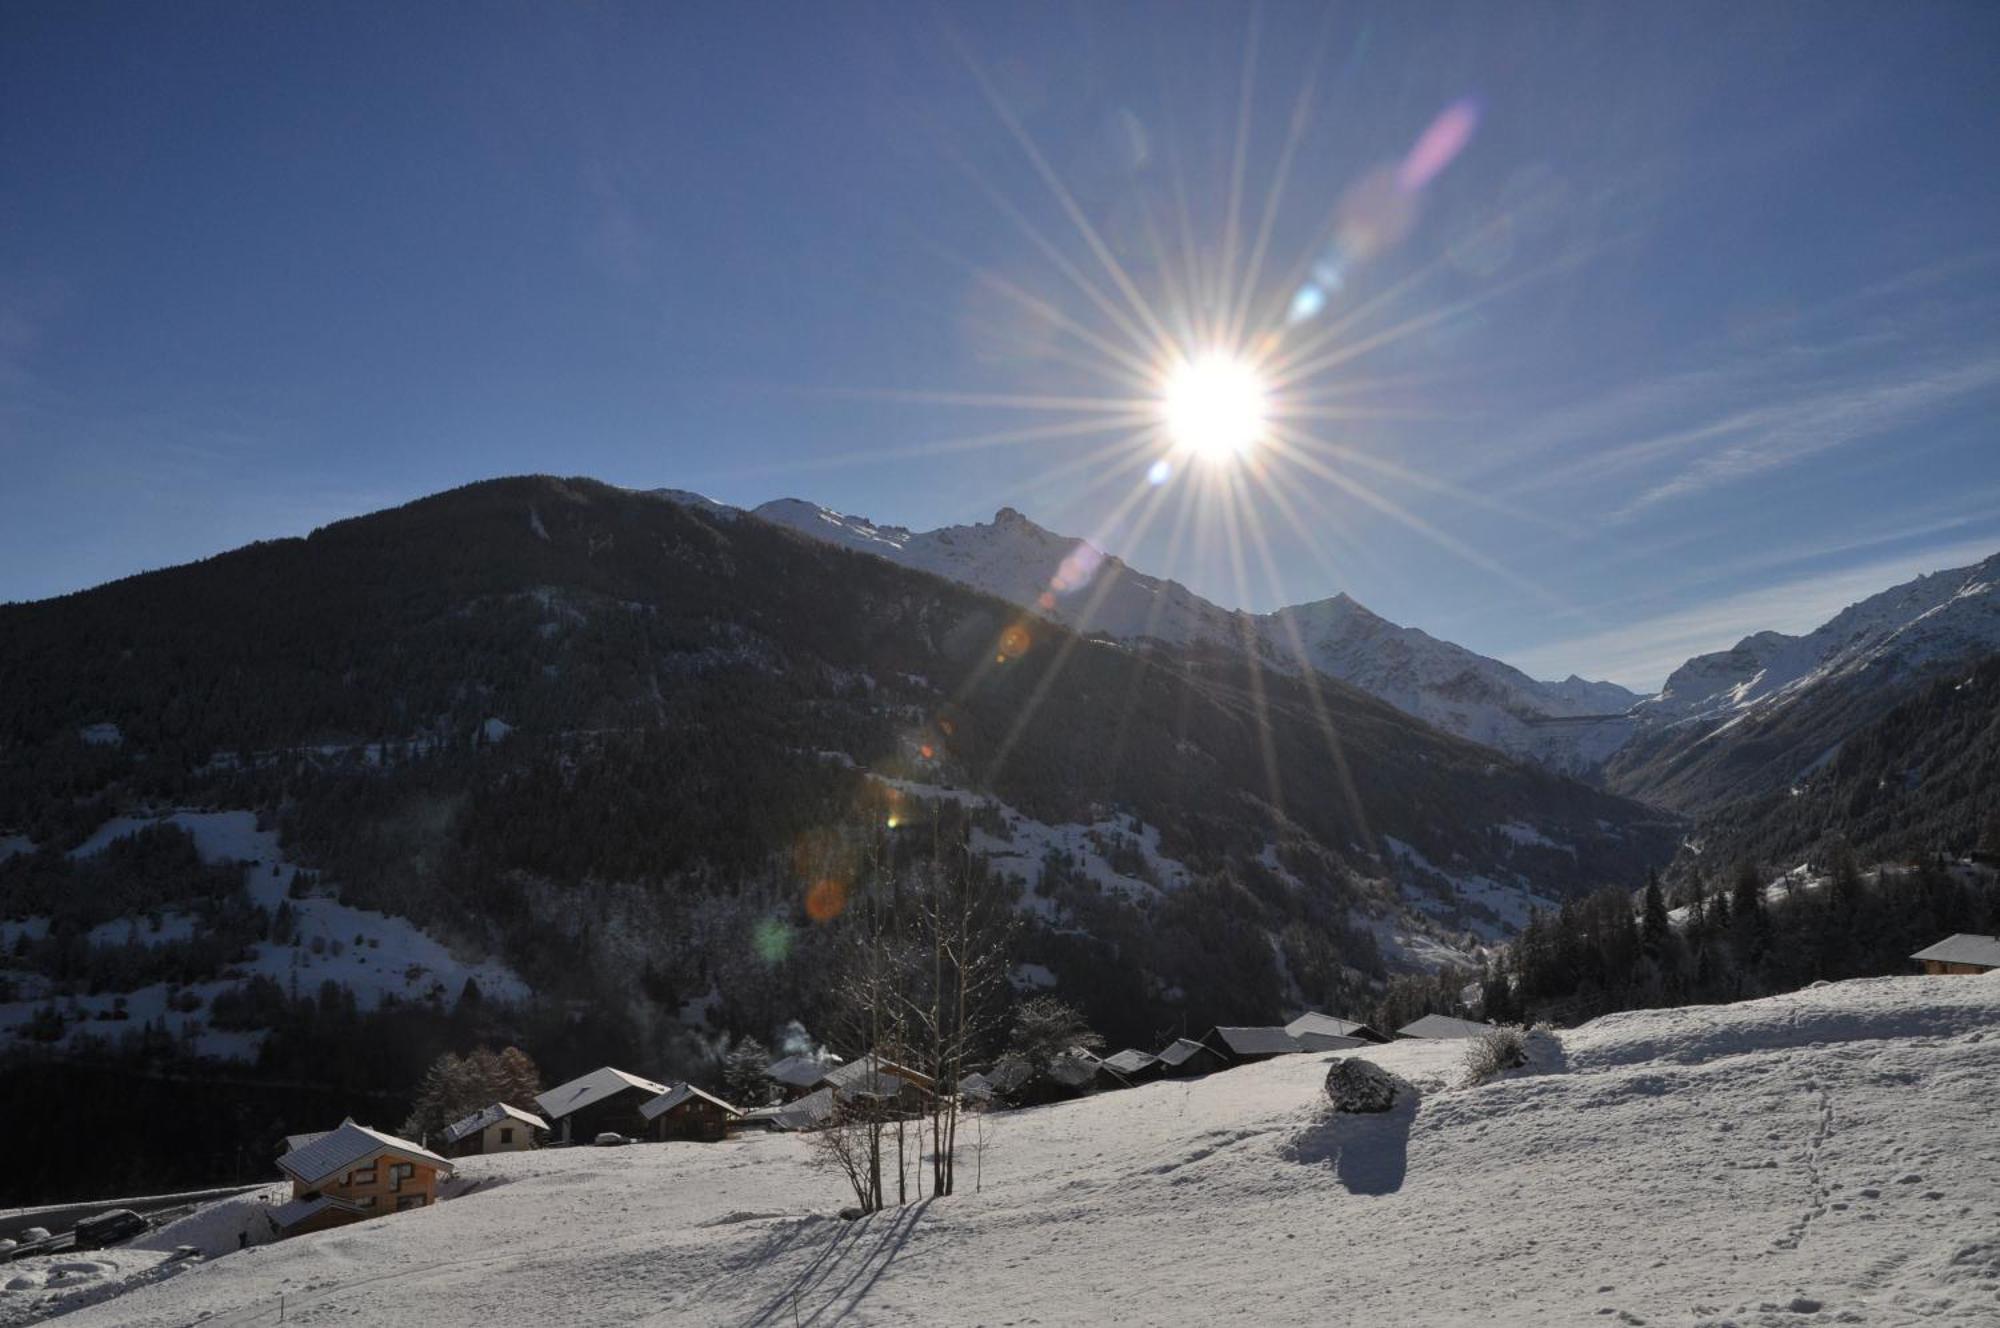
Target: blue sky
{"x":1696,"y":332}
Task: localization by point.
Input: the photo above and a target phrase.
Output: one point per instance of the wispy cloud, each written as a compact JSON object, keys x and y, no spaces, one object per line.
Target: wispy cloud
{"x":1785,"y":432}
{"x":1642,"y":653}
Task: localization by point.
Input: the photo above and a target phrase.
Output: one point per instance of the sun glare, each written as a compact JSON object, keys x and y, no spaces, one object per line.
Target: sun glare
{"x":1213,"y":407}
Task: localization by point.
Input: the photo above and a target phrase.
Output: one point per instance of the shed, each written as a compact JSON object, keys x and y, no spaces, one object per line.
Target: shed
{"x":605,"y":1100}
{"x":1314,"y":1025}
{"x":1444,"y":1026}
{"x":1965,"y":952}
{"x":499,"y":1128}
{"x":686,"y":1112}
{"x":1183,"y":1058}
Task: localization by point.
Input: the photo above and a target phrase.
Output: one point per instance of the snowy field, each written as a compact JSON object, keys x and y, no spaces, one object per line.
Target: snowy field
{"x":1826,"y":1157}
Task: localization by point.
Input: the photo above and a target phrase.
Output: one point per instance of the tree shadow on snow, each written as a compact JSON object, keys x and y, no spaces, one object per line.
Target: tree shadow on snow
{"x":1369,"y":1152}
{"x":839,"y":1277}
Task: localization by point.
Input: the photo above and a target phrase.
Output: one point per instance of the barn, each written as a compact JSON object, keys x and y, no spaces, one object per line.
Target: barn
{"x":606,"y":1100}
{"x":1443,"y":1026}
{"x":1184,"y":1058}
{"x":1135,"y":1066}
{"x":1312,"y":1029}
{"x":686,"y":1112}
{"x":1244,"y":1045}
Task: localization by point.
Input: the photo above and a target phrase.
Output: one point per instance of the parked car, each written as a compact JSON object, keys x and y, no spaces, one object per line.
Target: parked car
{"x":611,"y":1139}
{"x":108,"y":1228}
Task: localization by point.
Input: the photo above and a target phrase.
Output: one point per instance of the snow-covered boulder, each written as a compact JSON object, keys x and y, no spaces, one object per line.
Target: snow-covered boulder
{"x":1363,"y":1086}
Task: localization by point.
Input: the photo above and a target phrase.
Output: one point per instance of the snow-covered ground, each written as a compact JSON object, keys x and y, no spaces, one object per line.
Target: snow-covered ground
{"x":374,"y":954}
{"x":1825,"y":1157}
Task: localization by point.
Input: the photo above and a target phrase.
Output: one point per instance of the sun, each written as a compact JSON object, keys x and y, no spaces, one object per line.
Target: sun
{"x":1213,"y":407}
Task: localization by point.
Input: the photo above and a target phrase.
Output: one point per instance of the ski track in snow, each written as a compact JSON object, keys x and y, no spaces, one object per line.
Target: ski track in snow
{"x":1819,"y":1158}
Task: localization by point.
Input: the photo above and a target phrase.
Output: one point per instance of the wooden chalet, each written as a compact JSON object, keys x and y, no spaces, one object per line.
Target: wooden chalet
{"x":499,"y":1128}
{"x":1184,"y":1058}
{"x":1966,"y":952}
{"x":686,"y":1112}
{"x":352,"y":1174}
{"x":604,"y":1101}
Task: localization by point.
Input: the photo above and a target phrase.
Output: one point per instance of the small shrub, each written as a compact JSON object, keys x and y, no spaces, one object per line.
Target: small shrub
{"x":1493,"y":1054}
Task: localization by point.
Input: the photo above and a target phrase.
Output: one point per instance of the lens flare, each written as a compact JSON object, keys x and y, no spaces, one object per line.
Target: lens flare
{"x":826,"y":900}
{"x":1213,"y":406}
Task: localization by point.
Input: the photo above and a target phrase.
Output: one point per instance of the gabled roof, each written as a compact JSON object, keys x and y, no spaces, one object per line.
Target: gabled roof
{"x":1255,"y":1041}
{"x":678,"y":1094}
{"x":1443,"y":1026}
{"x":1072,"y":1070}
{"x":298,"y":1210}
{"x":1314,"y":1022}
{"x":809,"y":1112}
{"x":492,"y":1115}
{"x":589,"y":1089}
{"x":799,"y":1071}
{"x":297,"y":1141}
{"x":1964,"y":948}
{"x":347,"y":1147}
{"x":1327,"y":1042}
{"x":866,"y":1074}
{"x":1131,"y":1061}
{"x":1181,"y":1050}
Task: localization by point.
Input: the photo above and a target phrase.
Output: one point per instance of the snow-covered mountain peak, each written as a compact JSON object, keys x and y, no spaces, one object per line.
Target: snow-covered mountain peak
{"x":1938,"y":617}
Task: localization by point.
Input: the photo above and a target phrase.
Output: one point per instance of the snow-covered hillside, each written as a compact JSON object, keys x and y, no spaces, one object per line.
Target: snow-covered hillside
{"x":1824,"y":1157}
{"x":1939,"y":618}
{"x":373,"y":954}
{"x":1569,"y":725}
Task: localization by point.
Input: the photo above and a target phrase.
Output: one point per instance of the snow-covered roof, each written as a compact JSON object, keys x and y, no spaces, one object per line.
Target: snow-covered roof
{"x":1964,"y":948}
{"x":1257,"y":1041}
{"x":298,"y":1210}
{"x":810,"y":1111}
{"x":349,"y":1146}
{"x":799,"y":1071}
{"x":1443,"y":1026}
{"x":1131,"y":1060}
{"x":1324,"y":1024}
{"x":1327,"y":1042}
{"x":1180,"y":1050}
{"x":492,"y":1115}
{"x":678,"y":1094}
{"x":859,"y":1074}
{"x":589,"y":1089}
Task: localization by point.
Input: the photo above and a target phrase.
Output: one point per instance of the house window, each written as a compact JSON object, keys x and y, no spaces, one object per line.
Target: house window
{"x":506,"y":1134}
{"x":401,"y":1172}
{"x":364,"y":1177}
{"x":409,"y":1201}
{"x":365,"y":1201}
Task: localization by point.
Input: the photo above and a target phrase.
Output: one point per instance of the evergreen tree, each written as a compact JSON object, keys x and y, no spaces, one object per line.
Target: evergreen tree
{"x":1656,"y":929}
{"x":743,"y":1080}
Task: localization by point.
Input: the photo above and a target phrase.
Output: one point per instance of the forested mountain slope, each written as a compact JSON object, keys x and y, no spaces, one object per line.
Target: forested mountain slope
{"x":608,"y":741}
